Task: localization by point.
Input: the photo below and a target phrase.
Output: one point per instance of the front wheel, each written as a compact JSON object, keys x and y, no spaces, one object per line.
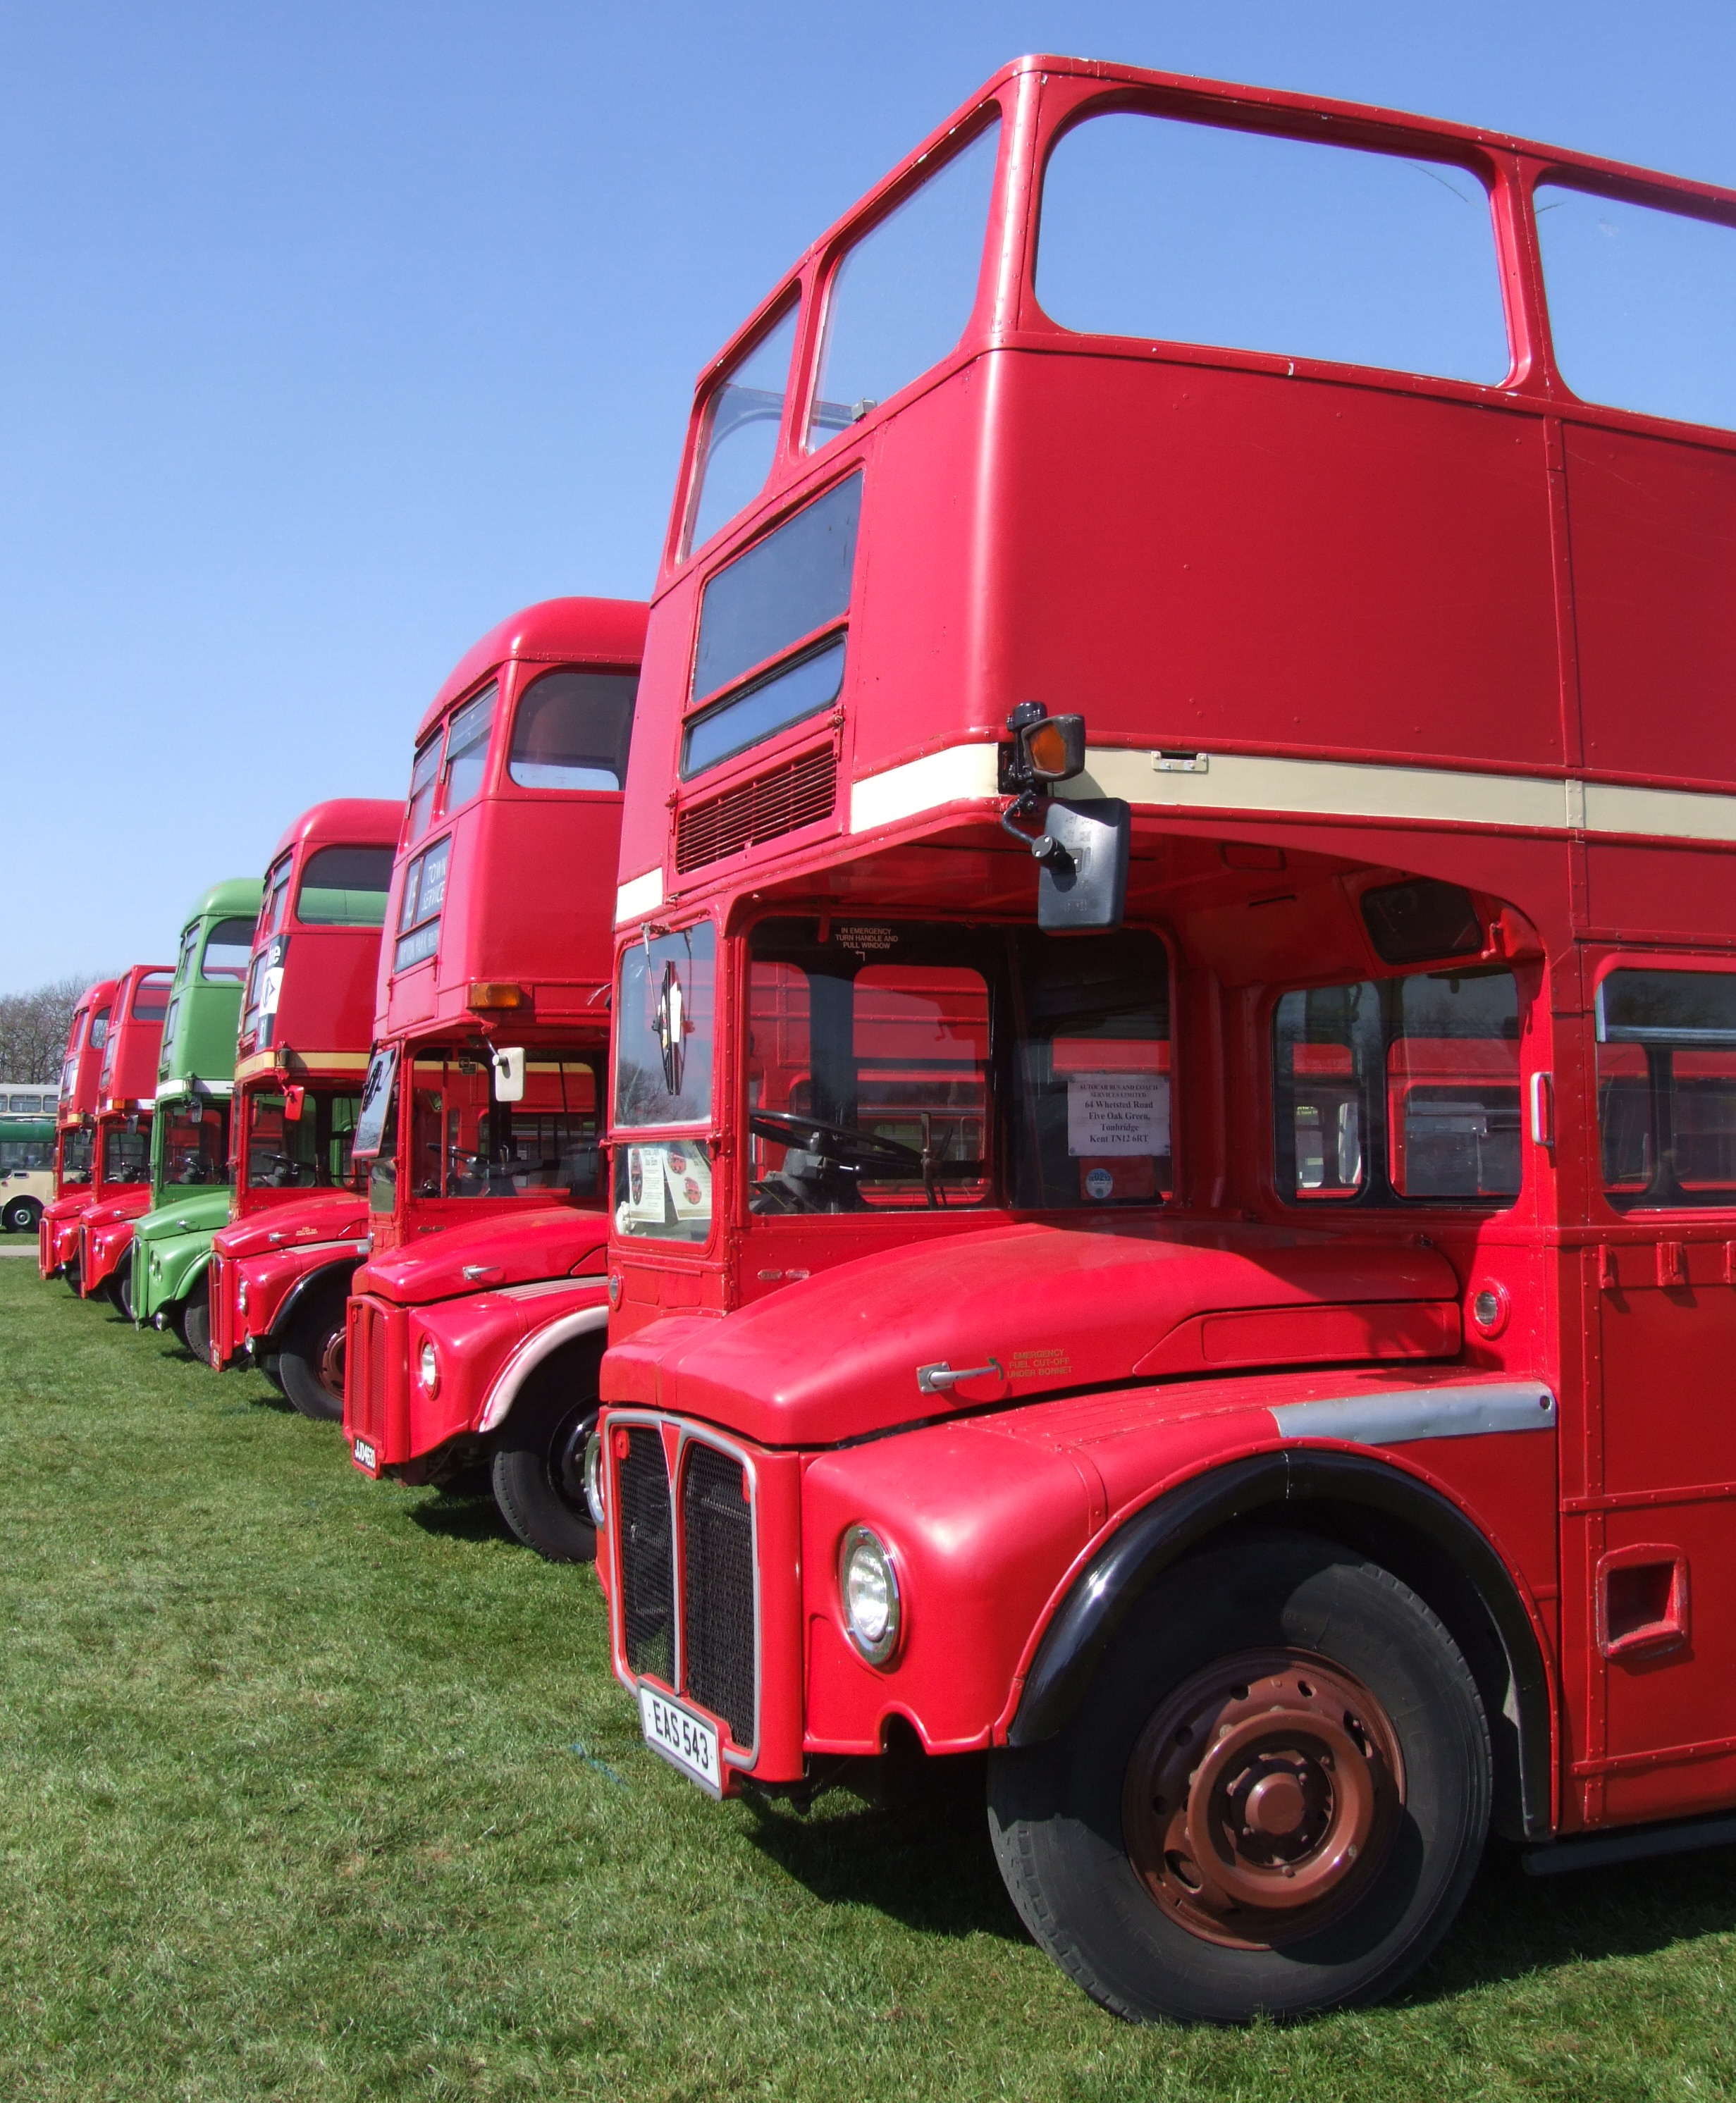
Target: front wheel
{"x":119,"y":1286}
{"x":310,"y":1366}
{"x":1272,"y":1799}
{"x":20,"y":1216}
{"x":194,"y":1325}
{"x":538,"y":1468}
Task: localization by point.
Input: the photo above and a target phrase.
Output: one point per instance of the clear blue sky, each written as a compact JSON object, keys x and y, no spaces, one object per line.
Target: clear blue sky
{"x":330,"y":334}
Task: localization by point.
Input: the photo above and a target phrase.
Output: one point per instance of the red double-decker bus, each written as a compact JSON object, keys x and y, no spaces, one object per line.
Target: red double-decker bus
{"x":1172,"y":1114}
{"x":75,"y":1132}
{"x":122,"y":1046}
{"x":476,"y":1322}
{"x":274,"y":1288}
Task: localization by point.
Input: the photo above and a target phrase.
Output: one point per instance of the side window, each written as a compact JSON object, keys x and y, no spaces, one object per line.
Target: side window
{"x":467,"y":748}
{"x":903,"y":293}
{"x":739,"y":442}
{"x":277,"y":890}
{"x":1642,"y":303}
{"x":344,"y":887}
{"x":1666,"y":1088}
{"x":1396,"y":1090}
{"x":422,"y":775}
{"x":1168,"y":230}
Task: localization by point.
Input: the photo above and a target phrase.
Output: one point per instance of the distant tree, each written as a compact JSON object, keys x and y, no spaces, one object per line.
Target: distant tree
{"x":32,"y":1029}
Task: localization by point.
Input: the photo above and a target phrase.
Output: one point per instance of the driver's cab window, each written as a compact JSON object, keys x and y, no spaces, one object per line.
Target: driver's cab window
{"x":463,"y":1143}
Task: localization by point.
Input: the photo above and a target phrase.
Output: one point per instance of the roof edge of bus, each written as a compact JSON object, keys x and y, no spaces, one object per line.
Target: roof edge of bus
{"x":603,"y":631}
{"x":1273,"y":100}
{"x":235,"y":895}
{"x":348,"y":821}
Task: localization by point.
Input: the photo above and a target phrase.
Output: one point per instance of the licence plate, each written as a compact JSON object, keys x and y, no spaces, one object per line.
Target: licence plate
{"x":366,"y":1457}
{"x":685,"y":1741}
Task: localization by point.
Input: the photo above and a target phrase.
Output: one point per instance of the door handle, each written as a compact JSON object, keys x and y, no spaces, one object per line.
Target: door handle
{"x":1542,"y":1110}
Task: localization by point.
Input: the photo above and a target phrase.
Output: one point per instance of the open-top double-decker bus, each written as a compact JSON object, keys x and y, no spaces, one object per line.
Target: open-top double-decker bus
{"x":476,"y":1322}
{"x":75,"y":1132}
{"x":195,"y":1061}
{"x":118,"y":1172}
{"x":270,"y":1275}
{"x":1174,"y":1100}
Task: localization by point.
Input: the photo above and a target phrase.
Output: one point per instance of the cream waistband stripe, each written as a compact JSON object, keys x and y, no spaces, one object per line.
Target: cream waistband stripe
{"x":1321,"y":788}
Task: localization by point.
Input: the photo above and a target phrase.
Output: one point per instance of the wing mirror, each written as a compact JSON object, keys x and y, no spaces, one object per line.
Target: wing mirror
{"x":1085,"y":845}
{"x":509,"y":1073}
{"x":294,"y":1100}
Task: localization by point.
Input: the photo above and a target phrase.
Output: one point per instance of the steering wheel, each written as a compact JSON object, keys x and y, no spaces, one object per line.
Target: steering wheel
{"x":848,"y":1147}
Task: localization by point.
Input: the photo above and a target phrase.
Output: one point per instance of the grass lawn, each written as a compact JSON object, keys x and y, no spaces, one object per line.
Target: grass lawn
{"x":311,"y":1787}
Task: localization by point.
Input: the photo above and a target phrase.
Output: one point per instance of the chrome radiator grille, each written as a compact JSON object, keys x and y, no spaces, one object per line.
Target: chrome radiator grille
{"x":687,"y":1604}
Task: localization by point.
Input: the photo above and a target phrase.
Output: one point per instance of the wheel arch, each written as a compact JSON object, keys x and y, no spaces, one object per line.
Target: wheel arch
{"x":1366,"y":1505}
{"x":341,"y":1270}
{"x":534,"y":1351}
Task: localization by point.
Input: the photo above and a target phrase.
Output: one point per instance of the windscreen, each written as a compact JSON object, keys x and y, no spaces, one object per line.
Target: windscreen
{"x":462,"y":1141}
{"x":194,"y":1139}
{"x":310,"y":1151}
{"x":78,"y":1149}
{"x":126,"y":1155}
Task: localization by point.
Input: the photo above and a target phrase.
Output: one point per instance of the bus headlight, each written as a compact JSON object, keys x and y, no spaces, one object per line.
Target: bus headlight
{"x":594,"y":1494}
{"x":428,"y":1366}
{"x":868,"y":1588}
{"x":241,"y":1296}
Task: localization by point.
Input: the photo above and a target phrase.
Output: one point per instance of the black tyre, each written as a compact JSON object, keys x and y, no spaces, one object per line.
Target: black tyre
{"x":118,"y":1286}
{"x":1272,"y":1800}
{"x":20,"y":1216}
{"x":194,"y":1325}
{"x":310,"y":1365}
{"x":538,"y":1467}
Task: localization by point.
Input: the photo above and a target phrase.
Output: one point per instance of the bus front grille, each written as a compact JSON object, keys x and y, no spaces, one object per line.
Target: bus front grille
{"x":717,"y":1588}
{"x":686,"y":1594}
{"x":647,"y":1589}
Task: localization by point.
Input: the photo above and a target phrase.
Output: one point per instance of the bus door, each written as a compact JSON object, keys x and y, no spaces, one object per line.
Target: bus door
{"x":1657,"y":1523}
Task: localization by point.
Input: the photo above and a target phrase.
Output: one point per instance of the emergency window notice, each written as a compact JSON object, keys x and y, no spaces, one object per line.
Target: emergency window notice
{"x":1113,"y":1114}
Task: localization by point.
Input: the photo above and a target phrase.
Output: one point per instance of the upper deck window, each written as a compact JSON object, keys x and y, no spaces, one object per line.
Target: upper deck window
{"x":467,"y":747}
{"x":739,"y":441}
{"x":277,"y":890}
{"x":344,"y":887}
{"x":1159,"y":228}
{"x":902,"y":295}
{"x":422,"y":787}
{"x":1642,"y":304}
{"x":1666,"y":1088}
{"x":572,"y":730}
{"x":227,"y":948}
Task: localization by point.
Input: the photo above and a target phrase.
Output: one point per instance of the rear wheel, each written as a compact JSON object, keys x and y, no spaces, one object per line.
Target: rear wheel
{"x":20,"y":1216}
{"x":538,"y":1468}
{"x":310,"y":1366}
{"x":1273,"y":1797}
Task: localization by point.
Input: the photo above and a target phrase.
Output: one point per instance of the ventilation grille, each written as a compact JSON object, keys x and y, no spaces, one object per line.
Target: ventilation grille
{"x":799,"y":793}
{"x":647,"y":1575}
{"x":717,"y":1588}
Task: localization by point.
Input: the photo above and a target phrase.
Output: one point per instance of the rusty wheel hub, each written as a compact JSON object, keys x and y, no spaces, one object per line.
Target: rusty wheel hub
{"x":1261,"y":1798}
{"x":331,"y":1365}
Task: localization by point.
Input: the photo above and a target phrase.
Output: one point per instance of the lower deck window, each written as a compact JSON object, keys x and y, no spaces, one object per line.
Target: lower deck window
{"x":1666,"y":1088}
{"x":1396,"y":1090}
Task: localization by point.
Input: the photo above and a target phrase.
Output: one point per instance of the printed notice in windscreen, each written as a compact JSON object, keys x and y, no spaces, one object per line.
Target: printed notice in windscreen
{"x":1109,"y":1114}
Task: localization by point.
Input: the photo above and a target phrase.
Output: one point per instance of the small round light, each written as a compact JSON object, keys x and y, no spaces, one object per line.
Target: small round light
{"x":429,"y":1367}
{"x":868,"y":1586}
{"x":594,"y":1494}
{"x":1489,"y":1309}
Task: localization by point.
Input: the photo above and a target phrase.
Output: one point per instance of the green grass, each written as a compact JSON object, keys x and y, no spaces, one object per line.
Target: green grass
{"x":311,"y":1787}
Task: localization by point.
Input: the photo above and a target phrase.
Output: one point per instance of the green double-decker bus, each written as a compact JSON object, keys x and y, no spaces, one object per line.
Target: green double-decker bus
{"x":191,"y":1172}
